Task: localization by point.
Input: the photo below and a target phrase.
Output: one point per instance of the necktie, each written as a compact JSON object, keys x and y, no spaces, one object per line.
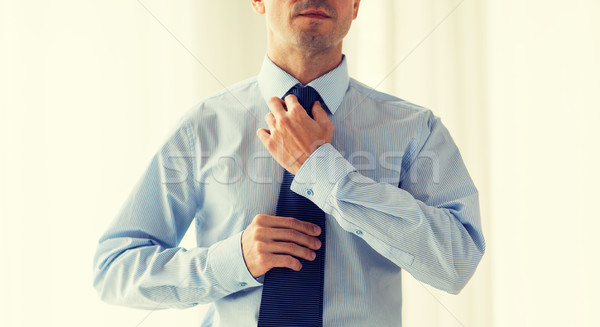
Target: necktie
{"x":295,"y":298}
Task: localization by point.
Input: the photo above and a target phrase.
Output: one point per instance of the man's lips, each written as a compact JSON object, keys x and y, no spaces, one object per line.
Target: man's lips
{"x":314,"y":14}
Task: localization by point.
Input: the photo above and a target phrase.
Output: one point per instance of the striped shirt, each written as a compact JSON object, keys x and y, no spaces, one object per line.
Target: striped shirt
{"x":392,"y":184}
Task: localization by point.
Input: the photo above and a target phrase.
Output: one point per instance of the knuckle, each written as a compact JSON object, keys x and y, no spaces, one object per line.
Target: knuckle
{"x":293,"y":248}
{"x":290,"y":261}
{"x":290,"y":234}
{"x":292,"y":222}
{"x":261,"y":247}
{"x":295,"y":110}
{"x":270,"y":143}
{"x":259,"y":219}
{"x":273,"y":101}
{"x":329,"y":125}
{"x":260,"y":231}
{"x":276,"y":140}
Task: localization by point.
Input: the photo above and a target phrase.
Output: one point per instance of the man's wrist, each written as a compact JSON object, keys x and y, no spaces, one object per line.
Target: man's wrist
{"x":227,"y":263}
{"x":319,"y":174}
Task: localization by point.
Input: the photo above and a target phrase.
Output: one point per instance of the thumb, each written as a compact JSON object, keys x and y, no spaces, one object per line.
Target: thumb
{"x":319,"y":113}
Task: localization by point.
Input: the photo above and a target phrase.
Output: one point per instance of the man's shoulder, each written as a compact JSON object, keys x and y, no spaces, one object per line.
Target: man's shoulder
{"x":378,"y":98}
{"x":233,"y":99}
{"x":235,"y":91}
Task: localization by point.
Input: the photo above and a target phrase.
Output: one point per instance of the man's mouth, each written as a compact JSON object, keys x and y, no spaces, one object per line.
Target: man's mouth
{"x":317,"y":14}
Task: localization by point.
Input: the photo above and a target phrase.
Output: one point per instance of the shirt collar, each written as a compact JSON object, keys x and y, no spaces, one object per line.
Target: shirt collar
{"x":275,"y":82}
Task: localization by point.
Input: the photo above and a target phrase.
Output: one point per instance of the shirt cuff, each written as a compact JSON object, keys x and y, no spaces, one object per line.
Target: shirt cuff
{"x":319,"y":174}
{"x":227,"y":263}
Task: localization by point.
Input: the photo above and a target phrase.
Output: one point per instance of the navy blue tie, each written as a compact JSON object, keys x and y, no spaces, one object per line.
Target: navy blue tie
{"x":295,"y":298}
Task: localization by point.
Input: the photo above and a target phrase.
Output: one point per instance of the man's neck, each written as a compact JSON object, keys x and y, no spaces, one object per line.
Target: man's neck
{"x":306,"y":64}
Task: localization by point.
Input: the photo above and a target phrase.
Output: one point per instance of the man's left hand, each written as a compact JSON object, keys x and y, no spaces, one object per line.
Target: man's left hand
{"x":292,"y":135}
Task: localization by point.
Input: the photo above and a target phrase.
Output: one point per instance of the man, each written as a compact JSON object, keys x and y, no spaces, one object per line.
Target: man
{"x":385,"y":176}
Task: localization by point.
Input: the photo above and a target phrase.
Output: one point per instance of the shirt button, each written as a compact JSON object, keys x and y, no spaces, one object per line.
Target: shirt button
{"x":309,"y":192}
{"x":358,"y":232}
{"x":243,"y":284}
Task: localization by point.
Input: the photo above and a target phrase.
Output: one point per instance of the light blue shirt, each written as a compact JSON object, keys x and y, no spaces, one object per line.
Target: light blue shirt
{"x":392,"y":183}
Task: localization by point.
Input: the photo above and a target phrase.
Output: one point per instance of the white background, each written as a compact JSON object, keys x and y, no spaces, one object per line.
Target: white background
{"x":90,"y":89}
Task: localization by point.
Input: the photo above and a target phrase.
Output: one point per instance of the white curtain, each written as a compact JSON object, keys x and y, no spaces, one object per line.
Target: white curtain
{"x":542,"y":83}
{"x":88,"y":91}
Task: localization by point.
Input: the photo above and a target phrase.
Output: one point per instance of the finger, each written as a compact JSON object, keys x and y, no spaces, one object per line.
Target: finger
{"x":291,"y":235}
{"x":293,"y":223}
{"x":276,"y":105}
{"x":285,"y":261}
{"x":319,"y":113}
{"x":264,"y":135}
{"x":292,"y":249}
{"x":293,"y":106}
{"x":270,"y":119}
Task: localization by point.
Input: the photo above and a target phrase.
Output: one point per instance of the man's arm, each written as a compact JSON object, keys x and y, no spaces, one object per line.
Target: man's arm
{"x":138,"y":262}
{"x":429,"y":226}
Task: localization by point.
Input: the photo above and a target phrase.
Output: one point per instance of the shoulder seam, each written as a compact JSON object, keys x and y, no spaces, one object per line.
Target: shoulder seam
{"x":424,"y":123}
{"x":368,"y":91}
{"x":192,"y":144}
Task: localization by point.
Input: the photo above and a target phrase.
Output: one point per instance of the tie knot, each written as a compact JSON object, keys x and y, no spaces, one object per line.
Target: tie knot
{"x":306,"y":96}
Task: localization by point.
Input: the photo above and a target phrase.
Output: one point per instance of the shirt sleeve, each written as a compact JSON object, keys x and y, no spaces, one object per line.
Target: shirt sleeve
{"x":138,"y":262}
{"x":428,"y":225}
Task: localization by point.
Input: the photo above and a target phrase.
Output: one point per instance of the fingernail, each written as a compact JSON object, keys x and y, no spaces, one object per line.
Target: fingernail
{"x":317,"y":229}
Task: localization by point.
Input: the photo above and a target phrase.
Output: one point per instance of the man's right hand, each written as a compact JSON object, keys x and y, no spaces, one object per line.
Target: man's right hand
{"x":272,"y":241}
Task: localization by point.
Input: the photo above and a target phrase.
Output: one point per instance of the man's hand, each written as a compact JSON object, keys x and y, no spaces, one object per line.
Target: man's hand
{"x":292,"y":135}
{"x":271,"y":241}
